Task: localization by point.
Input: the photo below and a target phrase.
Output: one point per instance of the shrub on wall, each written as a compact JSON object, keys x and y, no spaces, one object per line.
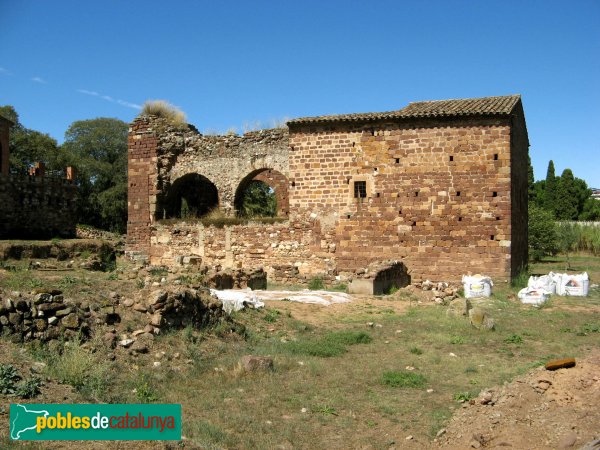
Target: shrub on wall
{"x":165,"y":110}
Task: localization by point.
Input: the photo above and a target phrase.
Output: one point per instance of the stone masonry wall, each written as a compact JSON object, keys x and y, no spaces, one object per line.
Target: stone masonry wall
{"x":438,"y":194}
{"x":39,"y":207}
{"x":295,"y":247}
{"x":227,"y":161}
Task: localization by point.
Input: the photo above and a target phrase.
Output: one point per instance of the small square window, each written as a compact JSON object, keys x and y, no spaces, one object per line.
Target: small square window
{"x":360,"y":189}
{"x":397,"y":160}
{"x":495,"y":156}
{"x":451,"y":158}
{"x":494,"y":194}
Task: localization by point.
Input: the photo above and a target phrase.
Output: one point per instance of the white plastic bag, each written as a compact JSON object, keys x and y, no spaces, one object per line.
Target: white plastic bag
{"x":533,"y":296}
{"x":477,"y":286}
{"x":575,"y":285}
{"x":546,"y":282}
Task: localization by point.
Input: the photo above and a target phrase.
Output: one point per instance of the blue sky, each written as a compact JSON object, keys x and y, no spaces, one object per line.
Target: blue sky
{"x":234,"y":64}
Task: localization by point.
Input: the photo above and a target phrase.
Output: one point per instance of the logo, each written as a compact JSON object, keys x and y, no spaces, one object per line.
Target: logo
{"x":45,"y":422}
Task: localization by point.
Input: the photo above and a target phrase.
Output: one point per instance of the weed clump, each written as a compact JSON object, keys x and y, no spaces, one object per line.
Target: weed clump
{"x":331,"y":344}
{"x":403,"y":379}
{"x":165,"y":110}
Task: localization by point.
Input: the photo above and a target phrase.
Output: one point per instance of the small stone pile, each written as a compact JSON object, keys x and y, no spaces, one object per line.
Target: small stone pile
{"x":177,"y":307}
{"x":45,"y":317}
{"x":441,"y":292}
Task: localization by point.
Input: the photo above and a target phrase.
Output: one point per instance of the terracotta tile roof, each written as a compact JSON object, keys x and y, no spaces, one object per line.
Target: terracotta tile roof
{"x":485,"y":106}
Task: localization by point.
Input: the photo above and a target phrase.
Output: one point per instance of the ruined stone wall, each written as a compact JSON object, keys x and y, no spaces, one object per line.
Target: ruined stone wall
{"x":37,"y":207}
{"x":289,"y":252}
{"x":226,"y":161}
{"x":438,"y":194}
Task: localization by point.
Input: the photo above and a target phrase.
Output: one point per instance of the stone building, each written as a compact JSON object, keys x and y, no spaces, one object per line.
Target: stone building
{"x":34,"y":205}
{"x":439,"y":185}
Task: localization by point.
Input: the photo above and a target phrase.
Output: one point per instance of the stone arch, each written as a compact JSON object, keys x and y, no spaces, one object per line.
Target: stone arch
{"x":191,"y":195}
{"x":272,"y":178}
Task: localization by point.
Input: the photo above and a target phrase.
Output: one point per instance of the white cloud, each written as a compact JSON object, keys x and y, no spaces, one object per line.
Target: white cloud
{"x":39,"y":80}
{"x":108,"y":98}
{"x":86,"y":92}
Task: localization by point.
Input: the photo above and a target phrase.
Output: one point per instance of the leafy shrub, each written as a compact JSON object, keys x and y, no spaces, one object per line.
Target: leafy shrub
{"x":29,"y":388}
{"x":514,"y":339}
{"x":543,"y":239}
{"x":464,"y":396}
{"x":8,"y":379}
{"x":403,"y":379}
{"x":416,"y":351}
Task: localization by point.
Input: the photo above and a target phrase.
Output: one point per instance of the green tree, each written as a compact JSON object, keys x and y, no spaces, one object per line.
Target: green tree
{"x":259,"y":200}
{"x":542,"y":233}
{"x":539,"y":193}
{"x":591,"y":210}
{"x":583,"y":192}
{"x":567,"y":237}
{"x":27,"y":146}
{"x":97,"y":148}
{"x":530,"y":181}
{"x":566,"y":206}
{"x":550,"y":189}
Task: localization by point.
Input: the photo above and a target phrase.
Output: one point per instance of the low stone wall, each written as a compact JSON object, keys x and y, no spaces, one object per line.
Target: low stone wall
{"x":289,"y":252}
{"x":45,"y":316}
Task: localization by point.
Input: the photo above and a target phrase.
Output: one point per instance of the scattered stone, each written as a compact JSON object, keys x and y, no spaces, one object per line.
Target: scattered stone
{"x":440,"y":433}
{"x":138,"y":347}
{"x":52,"y":320}
{"x":128,"y":302}
{"x":126,"y":342}
{"x":70,"y":321}
{"x":458,"y":307}
{"x":156,"y":363}
{"x":38,"y":367}
{"x":136,"y":333}
{"x":252,"y":363}
{"x":409,"y":437}
{"x":140,"y":308}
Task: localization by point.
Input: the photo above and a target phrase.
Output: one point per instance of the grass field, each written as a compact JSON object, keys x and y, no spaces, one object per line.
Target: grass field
{"x":338,"y":382}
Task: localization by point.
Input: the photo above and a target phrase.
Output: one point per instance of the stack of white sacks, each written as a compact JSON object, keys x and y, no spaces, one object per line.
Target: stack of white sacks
{"x":539,"y":289}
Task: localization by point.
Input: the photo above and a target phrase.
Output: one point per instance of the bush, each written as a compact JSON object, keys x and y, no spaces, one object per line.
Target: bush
{"x":8,"y":379}
{"x":543,"y":239}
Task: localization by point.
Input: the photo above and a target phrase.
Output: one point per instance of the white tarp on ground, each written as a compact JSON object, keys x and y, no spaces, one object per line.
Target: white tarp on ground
{"x":235,"y":299}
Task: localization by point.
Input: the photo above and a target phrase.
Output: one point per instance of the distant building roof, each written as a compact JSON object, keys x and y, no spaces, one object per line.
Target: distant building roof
{"x":484,"y":106}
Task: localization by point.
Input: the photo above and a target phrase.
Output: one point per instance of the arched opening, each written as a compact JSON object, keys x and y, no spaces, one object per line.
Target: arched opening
{"x":192,"y":195}
{"x":262,"y":193}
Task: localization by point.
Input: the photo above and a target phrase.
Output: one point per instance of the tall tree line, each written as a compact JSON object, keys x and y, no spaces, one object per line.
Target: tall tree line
{"x":96,"y":148}
{"x":565,"y":197}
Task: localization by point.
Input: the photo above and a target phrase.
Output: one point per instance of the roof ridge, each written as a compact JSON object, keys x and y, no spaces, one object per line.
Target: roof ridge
{"x":466,"y":98}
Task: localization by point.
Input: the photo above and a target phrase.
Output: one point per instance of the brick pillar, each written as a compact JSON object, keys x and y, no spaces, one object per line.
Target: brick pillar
{"x":142,"y":178}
